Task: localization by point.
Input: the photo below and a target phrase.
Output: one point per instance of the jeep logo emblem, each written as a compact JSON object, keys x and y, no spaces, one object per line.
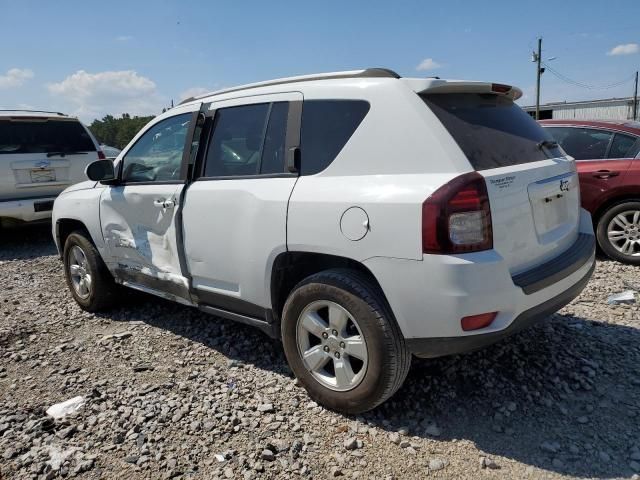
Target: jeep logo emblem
{"x":564,"y":185}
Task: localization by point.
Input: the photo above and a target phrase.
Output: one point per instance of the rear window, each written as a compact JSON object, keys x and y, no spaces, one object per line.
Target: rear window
{"x":36,"y":136}
{"x":491,"y":130}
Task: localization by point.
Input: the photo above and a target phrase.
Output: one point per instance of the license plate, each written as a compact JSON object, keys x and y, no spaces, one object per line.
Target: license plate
{"x":41,"y":175}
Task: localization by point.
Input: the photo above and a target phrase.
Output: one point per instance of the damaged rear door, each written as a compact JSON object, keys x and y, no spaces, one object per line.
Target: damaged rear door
{"x":140,"y":213}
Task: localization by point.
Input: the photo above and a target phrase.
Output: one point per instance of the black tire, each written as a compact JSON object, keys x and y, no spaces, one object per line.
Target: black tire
{"x":603,"y":239}
{"x":102,"y":293}
{"x":388,"y":358}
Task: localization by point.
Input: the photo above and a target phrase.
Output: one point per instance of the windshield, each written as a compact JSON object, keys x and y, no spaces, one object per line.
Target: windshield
{"x":491,"y":130}
{"x":44,"y":136}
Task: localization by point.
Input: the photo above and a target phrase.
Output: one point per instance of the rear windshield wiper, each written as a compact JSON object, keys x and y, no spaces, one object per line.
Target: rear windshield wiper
{"x":62,"y":154}
{"x":547,"y":144}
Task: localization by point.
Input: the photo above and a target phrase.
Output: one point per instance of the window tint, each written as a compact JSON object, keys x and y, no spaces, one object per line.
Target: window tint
{"x":157,"y":155}
{"x":624,"y":146}
{"x":44,"y":136}
{"x":235,"y":148}
{"x":582,"y":143}
{"x":327,"y":125}
{"x":274,"y":142}
{"x":491,"y":130}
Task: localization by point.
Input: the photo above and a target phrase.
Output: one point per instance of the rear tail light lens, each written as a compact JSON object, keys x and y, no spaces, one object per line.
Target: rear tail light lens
{"x":456,"y":218}
{"x":476,"y":322}
{"x":101,"y":155}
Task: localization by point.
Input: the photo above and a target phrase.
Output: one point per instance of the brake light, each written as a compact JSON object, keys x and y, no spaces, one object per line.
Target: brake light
{"x":476,"y":322}
{"x":500,"y":88}
{"x":456,"y":218}
{"x":101,"y":155}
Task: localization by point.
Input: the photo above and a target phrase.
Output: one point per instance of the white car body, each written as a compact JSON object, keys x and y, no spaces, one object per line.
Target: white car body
{"x":225,"y":244}
{"x":30,"y":176}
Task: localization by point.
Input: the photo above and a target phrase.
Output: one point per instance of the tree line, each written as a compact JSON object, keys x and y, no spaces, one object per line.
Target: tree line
{"x":118,"y":132}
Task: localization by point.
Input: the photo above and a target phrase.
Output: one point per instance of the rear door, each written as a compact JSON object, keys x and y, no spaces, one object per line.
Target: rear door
{"x":138,"y":215}
{"x":602,"y":157}
{"x":532,"y":186}
{"x":41,"y":156}
{"x":235,"y":211}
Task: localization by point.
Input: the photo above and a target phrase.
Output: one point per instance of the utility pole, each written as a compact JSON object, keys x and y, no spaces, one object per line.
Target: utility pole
{"x":635,"y":99}
{"x":538,"y":74}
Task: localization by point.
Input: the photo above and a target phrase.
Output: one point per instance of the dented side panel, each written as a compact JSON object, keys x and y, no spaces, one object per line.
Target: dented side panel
{"x":140,"y":236}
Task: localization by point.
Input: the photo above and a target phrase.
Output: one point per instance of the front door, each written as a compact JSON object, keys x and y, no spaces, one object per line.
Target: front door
{"x":138,"y":215}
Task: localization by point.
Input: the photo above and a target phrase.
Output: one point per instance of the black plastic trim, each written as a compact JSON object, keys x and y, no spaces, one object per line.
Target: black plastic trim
{"x":154,"y":283}
{"x":43,"y":206}
{"x":267,"y":327}
{"x":557,"y":268}
{"x":368,"y":73}
{"x":232,"y":304}
{"x":441,"y":346}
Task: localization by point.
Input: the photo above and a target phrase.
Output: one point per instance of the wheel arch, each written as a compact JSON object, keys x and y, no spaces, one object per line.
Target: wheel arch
{"x":613,"y":201}
{"x":66,"y":226}
{"x":289,"y":268}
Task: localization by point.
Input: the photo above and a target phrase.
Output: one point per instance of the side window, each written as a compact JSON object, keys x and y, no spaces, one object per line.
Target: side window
{"x":582,"y":143}
{"x":248,"y":140}
{"x":624,"y":146}
{"x":157,"y":155}
{"x":327,"y":126}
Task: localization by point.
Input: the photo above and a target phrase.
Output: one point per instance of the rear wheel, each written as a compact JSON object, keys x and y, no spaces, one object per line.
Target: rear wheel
{"x":88,"y":279}
{"x":618,"y":232}
{"x":342,"y":341}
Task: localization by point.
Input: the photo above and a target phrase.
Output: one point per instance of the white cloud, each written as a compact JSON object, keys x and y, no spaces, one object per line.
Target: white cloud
{"x":427,"y":64}
{"x":624,"y":49}
{"x":15,"y":77}
{"x":194,"y":92}
{"x":93,"y":95}
{"x":124,"y":38}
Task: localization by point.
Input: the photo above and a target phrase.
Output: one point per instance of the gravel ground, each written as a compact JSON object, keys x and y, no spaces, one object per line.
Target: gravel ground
{"x":171,"y":392}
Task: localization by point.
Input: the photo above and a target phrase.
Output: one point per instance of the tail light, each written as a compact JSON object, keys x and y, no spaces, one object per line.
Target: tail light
{"x":101,"y":155}
{"x":456,"y":218}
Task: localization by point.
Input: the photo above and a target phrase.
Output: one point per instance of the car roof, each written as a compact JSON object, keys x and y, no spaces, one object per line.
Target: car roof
{"x":629,"y":126}
{"x":420,"y":85}
{"x":34,"y":114}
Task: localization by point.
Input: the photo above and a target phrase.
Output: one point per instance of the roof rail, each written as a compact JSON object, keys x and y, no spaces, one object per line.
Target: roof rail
{"x":367,"y":73}
{"x":30,"y":111}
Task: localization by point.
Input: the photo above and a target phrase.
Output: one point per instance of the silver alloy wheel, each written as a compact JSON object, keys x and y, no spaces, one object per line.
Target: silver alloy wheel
{"x":623,"y":232}
{"x":331,"y":345}
{"x":79,"y":272}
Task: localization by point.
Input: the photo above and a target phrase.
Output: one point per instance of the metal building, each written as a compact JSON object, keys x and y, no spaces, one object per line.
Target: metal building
{"x":607,"y":109}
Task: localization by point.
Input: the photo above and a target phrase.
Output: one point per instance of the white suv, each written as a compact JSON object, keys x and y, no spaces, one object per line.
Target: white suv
{"x":41,"y":153}
{"x":359,"y":216}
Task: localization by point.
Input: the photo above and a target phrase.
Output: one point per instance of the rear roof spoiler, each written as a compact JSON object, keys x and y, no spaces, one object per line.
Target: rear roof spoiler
{"x":437,"y":85}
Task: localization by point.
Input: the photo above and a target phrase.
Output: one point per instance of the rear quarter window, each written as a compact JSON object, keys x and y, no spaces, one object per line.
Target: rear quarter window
{"x":491,"y":130}
{"x":43,"y":136}
{"x":327,"y":126}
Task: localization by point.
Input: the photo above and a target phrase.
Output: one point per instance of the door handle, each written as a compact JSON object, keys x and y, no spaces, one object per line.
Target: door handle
{"x":166,"y":203}
{"x":605,"y":174}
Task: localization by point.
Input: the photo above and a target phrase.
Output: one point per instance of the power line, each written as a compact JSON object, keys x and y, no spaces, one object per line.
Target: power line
{"x":585,"y":85}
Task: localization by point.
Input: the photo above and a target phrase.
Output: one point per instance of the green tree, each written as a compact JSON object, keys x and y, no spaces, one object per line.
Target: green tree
{"x":118,"y":132}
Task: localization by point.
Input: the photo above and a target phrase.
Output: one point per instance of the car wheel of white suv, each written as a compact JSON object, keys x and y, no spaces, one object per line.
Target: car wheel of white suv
{"x":342,"y":341}
{"x":88,"y":279}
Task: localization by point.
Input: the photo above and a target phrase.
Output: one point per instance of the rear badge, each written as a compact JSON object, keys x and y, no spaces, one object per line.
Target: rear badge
{"x":504,"y":182}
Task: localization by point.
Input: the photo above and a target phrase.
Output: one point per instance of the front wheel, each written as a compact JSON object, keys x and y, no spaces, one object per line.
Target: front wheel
{"x":88,"y":279}
{"x":342,"y":341}
{"x":618,"y":232}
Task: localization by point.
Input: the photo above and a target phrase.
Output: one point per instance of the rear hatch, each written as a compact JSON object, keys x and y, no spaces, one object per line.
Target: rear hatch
{"x":40,"y":156}
{"x":533,"y":187}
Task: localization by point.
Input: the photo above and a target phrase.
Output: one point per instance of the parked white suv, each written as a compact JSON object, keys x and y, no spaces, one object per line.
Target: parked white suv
{"x":41,"y":153}
{"x":359,"y":216}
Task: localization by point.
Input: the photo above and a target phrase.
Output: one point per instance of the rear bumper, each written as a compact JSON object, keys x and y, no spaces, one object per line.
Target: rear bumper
{"x":27,"y":209}
{"x":438,"y":347}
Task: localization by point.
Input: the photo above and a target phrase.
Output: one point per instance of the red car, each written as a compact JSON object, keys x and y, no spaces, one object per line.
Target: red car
{"x":608,"y":160}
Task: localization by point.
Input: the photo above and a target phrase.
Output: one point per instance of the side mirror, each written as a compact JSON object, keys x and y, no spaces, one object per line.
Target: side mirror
{"x":100,"y":171}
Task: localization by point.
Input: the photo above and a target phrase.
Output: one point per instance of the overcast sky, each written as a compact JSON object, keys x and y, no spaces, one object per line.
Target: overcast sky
{"x":91,"y":58}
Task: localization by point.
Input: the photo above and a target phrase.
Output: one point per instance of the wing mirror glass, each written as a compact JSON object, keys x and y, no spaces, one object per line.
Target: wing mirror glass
{"x":100,"y":171}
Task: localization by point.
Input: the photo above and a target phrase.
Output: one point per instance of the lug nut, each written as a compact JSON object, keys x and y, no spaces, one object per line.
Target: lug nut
{"x":326,"y":348}
{"x":337,"y":354}
{"x":334,"y":332}
{"x":342,"y":344}
{"x":325,"y":335}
